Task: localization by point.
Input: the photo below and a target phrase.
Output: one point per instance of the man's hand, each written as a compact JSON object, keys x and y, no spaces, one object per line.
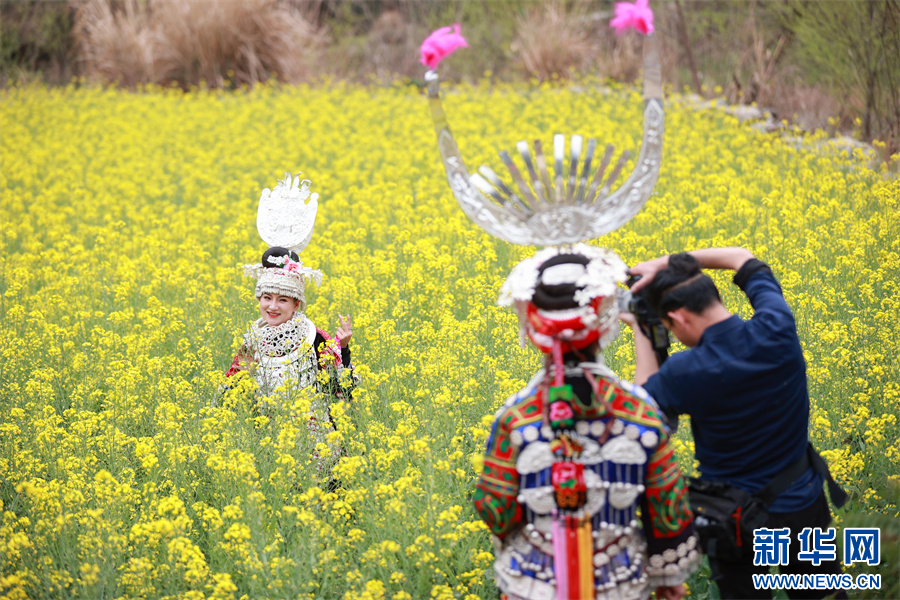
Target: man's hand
{"x":344,"y":331}
{"x":671,"y":592}
{"x":647,"y":270}
{"x":629,"y":319}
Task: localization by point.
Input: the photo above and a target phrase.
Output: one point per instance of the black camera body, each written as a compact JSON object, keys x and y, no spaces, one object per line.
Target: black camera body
{"x":649,"y":321}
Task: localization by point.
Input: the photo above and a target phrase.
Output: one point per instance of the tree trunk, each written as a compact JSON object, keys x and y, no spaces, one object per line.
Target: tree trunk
{"x":686,"y":42}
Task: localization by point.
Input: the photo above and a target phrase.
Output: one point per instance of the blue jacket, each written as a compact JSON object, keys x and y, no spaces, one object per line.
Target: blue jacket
{"x":744,"y":387}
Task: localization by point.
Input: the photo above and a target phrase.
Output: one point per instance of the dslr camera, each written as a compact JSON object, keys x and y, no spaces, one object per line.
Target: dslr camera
{"x":649,"y":322}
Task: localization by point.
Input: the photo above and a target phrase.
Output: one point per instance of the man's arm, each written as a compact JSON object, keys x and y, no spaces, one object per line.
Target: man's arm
{"x":709,"y":258}
{"x":722,"y":258}
{"x":645,"y":363}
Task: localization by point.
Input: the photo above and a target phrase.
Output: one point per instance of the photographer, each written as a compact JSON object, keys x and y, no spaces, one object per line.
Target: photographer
{"x":743,"y":384}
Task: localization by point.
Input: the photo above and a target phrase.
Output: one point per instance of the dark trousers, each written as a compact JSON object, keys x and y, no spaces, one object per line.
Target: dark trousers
{"x":735,"y":579}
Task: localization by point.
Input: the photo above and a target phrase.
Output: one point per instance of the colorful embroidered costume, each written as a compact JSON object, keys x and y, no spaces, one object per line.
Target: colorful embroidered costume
{"x":573,"y":457}
{"x":290,"y":357}
{"x":605,"y":459}
{"x":283,"y":350}
{"x":295,"y":351}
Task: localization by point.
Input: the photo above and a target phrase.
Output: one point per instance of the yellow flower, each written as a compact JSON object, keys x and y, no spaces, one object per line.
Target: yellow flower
{"x":123,"y":304}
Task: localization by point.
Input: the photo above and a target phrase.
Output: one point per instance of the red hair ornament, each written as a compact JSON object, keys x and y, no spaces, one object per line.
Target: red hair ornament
{"x":574,"y":329}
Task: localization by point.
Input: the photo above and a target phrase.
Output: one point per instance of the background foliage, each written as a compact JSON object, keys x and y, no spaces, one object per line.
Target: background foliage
{"x":831,"y":65}
{"x":124,"y":470}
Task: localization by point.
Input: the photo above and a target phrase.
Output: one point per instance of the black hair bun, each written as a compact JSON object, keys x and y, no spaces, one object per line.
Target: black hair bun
{"x":277,"y":252}
{"x":560,"y":296}
{"x":683,"y":264}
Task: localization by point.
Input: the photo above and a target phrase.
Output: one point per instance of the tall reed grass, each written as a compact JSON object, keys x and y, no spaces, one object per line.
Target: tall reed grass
{"x":191,"y":41}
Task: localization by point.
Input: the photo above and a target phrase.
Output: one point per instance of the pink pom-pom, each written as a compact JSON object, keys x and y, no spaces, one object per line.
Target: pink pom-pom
{"x":440,"y":44}
{"x":637,"y":15}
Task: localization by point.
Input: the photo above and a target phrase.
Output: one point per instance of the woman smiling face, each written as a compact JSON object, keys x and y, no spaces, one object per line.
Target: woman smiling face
{"x":277,"y":309}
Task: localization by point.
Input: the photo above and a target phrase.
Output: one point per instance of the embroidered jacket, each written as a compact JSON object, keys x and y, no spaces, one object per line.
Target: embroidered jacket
{"x":290,"y":357}
{"x":623,"y":462}
{"x":298,"y":362}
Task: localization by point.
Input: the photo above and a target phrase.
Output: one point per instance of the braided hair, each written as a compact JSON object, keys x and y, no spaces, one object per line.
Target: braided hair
{"x":682,"y":285}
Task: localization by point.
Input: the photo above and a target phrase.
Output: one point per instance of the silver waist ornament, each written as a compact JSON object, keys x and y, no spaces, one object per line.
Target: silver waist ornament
{"x":576,"y":204}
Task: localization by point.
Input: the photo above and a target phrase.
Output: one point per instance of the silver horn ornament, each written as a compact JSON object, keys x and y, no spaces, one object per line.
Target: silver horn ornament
{"x":577,"y":204}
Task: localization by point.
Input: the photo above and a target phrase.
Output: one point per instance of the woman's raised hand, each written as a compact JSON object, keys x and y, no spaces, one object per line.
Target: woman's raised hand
{"x":344,"y":331}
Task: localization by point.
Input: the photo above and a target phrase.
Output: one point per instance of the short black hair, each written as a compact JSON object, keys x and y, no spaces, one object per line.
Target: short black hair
{"x":277,"y":252}
{"x":682,"y":285}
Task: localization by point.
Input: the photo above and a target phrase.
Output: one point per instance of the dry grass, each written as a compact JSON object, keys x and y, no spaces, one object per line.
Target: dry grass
{"x":117,"y":43}
{"x":624,"y":58}
{"x":392,"y":46}
{"x":810,"y":107}
{"x":191,"y":41}
{"x":555,"y":38}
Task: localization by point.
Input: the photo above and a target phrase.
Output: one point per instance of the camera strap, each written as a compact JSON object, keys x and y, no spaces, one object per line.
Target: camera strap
{"x":789,"y":474}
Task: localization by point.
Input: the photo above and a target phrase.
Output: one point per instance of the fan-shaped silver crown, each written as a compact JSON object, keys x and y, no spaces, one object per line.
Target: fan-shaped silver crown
{"x":578,"y":202}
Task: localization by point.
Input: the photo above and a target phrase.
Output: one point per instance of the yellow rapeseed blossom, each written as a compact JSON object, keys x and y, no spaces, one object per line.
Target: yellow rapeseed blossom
{"x":126,"y":217}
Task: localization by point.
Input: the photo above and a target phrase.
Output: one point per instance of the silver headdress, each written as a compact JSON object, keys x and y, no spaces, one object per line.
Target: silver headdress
{"x":285,"y":220}
{"x":576,"y":204}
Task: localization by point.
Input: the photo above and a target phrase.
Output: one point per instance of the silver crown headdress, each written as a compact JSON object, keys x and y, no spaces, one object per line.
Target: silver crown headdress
{"x":576,"y":204}
{"x":285,"y":218}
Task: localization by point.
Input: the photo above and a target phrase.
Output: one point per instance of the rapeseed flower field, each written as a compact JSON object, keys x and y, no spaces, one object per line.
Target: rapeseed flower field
{"x":126,"y":472}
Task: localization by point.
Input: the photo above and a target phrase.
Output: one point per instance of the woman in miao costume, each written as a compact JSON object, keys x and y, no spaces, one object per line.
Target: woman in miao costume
{"x":287,"y":355}
{"x":579,"y":486}
{"x":574,"y":456}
